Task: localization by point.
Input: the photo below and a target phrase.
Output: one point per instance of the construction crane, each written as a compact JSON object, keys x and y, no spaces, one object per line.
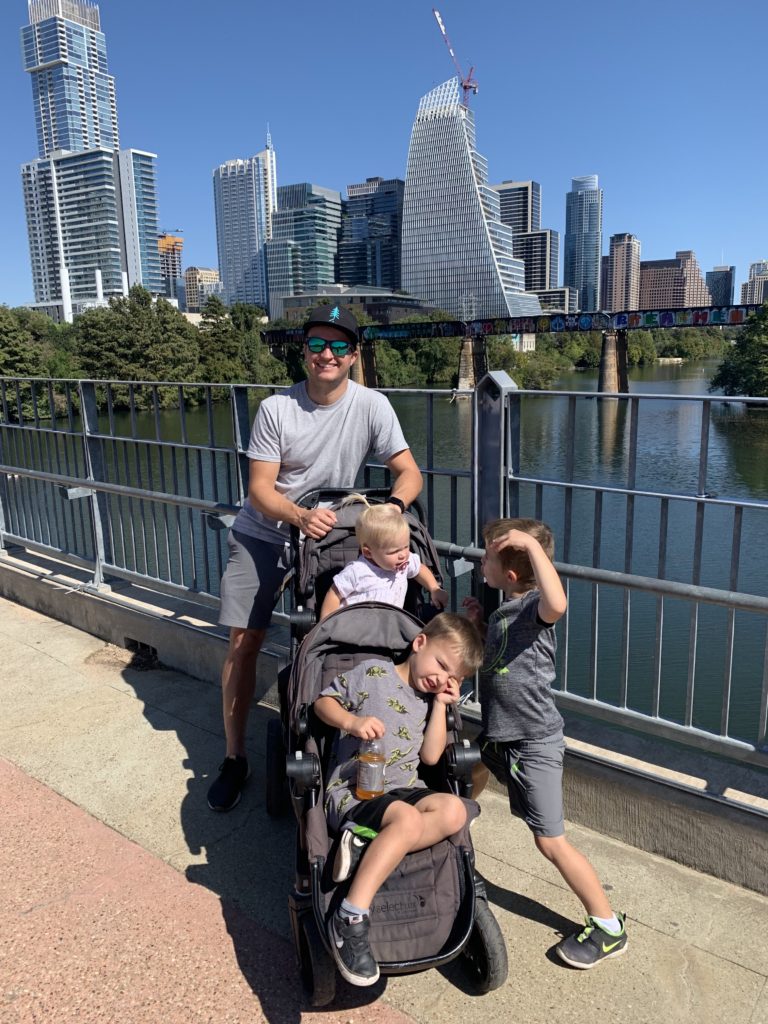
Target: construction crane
{"x":468,"y":84}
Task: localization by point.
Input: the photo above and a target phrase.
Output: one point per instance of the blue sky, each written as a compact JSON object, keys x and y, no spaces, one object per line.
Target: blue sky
{"x":664,"y":100}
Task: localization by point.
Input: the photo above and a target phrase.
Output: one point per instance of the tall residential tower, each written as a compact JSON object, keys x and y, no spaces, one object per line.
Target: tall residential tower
{"x":622,"y":284}
{"x":91,"y":208}
{"x":583,"y":240}
{"x":245,"y":198}
{"x":457,"y":254}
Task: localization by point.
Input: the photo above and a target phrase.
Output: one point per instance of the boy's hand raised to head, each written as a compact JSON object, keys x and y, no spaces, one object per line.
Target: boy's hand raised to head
{"x":451,"y":693}
{"x":367,"y":728}
{"x":516,"y":539}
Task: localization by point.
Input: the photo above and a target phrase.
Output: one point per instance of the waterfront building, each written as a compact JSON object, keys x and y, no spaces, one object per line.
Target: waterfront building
{"x":170,"y":248}
{"x":673,"y":284}
{"x":382,"y":305}
{"x":245,"y":198}
{"x":622,"y":277}
{"x":91,"y":208}
{"x":520,"y":205}
{"x":457,"y":254}
{"x":197,"y":286}
{"x":540,"y":252}
{"x":302,"y":253}
{"x":754,"y":291}
{"x":559,"y":300}
{"x":371,"y":226}
{"x":65,"y":52}
{"x":721,"y":283}
{"x":583,"y":240}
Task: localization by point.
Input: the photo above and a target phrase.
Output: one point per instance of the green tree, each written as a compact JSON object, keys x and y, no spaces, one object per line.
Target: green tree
{"x":20,"y":356}
{"x":221,"y":346}
{"x":744,"y":371}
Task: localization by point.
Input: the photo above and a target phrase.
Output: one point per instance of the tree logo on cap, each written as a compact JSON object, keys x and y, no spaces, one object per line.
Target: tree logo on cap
{"x":334,"y":315}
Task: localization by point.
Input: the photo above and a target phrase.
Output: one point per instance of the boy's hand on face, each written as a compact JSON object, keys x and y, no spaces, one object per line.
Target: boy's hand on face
{"x":439,"y":598}
{"x":367,"y":728}
{"x":451,"y":693}
{"x":473,"y":610}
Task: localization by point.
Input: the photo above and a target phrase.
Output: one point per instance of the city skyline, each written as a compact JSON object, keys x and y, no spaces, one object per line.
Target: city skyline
{"x":369,"y":134}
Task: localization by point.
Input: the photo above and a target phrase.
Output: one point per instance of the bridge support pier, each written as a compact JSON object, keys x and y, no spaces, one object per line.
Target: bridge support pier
{"x":613,"y":363}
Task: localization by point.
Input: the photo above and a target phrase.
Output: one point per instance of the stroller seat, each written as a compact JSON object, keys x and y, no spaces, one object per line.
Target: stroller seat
{"x":432,"y":908}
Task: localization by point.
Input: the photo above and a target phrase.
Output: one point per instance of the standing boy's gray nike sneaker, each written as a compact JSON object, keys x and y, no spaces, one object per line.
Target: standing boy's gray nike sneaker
{"x":592,"y":945}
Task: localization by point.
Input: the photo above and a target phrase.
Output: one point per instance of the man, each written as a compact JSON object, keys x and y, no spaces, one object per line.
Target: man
{"x":315,"y":434}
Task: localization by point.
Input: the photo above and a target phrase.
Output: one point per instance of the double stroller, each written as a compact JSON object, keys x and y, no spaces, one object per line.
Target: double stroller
{"x":434,"y":907}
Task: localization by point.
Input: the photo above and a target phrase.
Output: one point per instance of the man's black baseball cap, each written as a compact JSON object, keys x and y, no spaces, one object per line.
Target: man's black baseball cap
{"x":334,"y":316}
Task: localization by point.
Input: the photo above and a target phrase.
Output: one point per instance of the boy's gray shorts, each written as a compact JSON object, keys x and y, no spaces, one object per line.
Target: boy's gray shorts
{"x":532,"y":771}
{"x":251,"y":582}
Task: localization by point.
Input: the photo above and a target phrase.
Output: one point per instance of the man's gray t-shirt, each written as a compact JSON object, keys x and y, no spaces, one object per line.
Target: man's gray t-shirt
{"x":518,"y":672}
{"x":317,"y":446}
{"x":374,"y":688}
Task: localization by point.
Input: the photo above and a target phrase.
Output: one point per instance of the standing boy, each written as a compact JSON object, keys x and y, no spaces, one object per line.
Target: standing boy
{"x":522,"y":741}
{"x":405,"y":705}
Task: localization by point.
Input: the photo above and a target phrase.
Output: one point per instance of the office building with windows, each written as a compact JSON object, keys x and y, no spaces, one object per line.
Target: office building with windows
{"x":754,"y":291}
{"x":540,"y":252}
{"x":559,"y":300}
{"x":199,"y":283}
{"x":371,"y":226}
{"x":621,"y":289}
{"x":91,"y":208}
{"x":583,"y":240}
{"x":457,"y":254}
{"x":673,"y":284}
{"x":520,"y":205}
{"x":245,"y":198}
{"x":721,"y":282}
{"x":302,"y":253}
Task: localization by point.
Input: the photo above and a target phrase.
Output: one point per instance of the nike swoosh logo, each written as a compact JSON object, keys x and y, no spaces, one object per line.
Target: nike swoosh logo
{"x":613,"y":945}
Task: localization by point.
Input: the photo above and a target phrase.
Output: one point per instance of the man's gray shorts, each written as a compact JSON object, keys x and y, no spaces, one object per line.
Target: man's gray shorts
{"x":532,"y":771}
{"x":251,"y":582}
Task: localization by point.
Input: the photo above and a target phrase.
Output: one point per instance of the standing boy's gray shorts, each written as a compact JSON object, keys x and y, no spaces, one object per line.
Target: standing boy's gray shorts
{"x":251,"y":582}
{"x":532,"y":771}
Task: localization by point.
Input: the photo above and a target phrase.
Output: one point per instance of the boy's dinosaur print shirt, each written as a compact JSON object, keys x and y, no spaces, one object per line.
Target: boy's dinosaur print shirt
{"x":374,"y":688}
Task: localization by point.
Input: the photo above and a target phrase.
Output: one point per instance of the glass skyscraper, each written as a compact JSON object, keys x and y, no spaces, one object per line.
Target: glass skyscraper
{"x":302,"y":253}
{"x":91,"y":208}
{"x":245,"y":198}
{"x":456,"y":253}
{"x":584,"y":240}
{"x":371,"y":226}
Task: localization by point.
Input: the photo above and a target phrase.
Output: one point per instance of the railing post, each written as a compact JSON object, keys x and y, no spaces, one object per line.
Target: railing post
{"x":95,"y":470}
{"x":241,"y":431}
{"x":496,"y":452}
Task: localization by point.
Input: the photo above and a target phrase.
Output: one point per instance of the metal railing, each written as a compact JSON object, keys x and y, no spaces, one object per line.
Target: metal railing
{"x":666,"y":627}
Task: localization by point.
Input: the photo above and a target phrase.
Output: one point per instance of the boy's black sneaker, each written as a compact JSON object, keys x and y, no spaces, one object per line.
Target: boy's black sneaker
{"x":592,"y":945}
{"x":349,"y":945}
{"x":352,"y":846}
{"x":225,"y":792}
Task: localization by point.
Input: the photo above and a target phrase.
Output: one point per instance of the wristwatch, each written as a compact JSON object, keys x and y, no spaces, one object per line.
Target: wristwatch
{"x":392,"y":500}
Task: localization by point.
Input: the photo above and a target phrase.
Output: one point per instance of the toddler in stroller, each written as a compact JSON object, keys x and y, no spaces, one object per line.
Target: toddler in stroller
{"x":412,"y":899}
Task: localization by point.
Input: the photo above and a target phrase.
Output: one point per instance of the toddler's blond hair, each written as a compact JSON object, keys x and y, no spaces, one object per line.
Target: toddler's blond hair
{"x":380,"y":525}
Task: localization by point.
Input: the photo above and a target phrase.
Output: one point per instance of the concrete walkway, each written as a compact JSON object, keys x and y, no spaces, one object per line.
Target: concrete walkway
{"x":124,"y":899}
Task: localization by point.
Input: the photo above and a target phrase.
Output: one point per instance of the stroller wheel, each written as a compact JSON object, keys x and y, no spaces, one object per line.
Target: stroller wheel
{"x":484,"y":958}
{"x":276,"y":783}
{"x":318,"y":971}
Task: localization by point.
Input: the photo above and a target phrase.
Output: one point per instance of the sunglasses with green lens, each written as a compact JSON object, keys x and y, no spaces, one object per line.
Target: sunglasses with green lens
{"x":338,"y":348}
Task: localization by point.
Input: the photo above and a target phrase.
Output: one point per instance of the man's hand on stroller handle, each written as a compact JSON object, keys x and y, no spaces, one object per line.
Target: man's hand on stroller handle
{"x":316,"y":522}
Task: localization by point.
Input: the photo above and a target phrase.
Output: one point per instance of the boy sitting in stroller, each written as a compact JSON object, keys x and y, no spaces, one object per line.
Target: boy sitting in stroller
{"x":404,"y":705}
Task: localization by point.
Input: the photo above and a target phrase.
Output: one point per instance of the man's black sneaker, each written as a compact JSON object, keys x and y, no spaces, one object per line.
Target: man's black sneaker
{"x":352,"y":846}
{"x":225,"y":792}
{"x":592,"y":945}
{"x":349,"y":945}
